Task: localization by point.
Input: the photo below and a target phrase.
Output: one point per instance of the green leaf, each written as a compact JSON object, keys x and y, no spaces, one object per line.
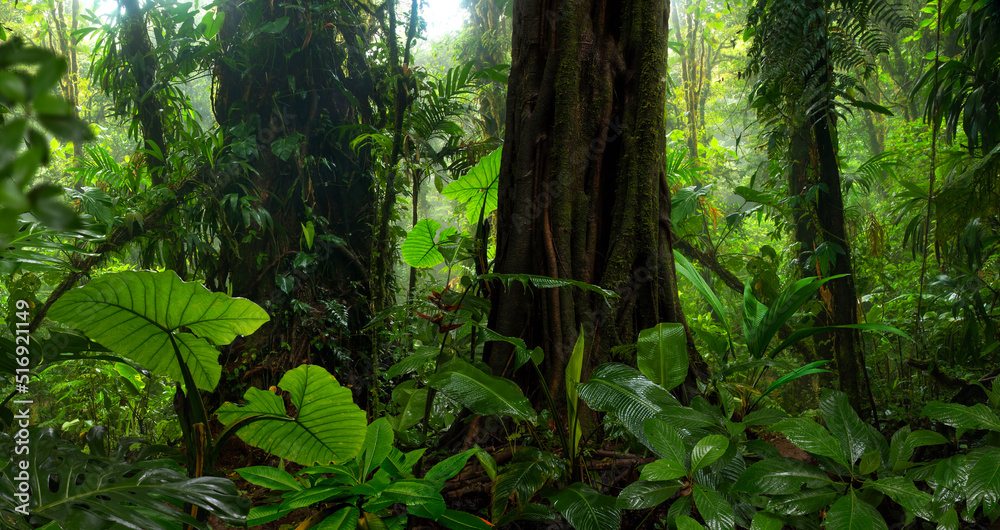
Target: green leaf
{"x":766,"y":521}
{"x":666,"y":441}
{"x":714,"y":508}
{"x":482,"y":393}
{"x":628,"y":395}
{"x":905,"y":493}
{"x":760,"y":328}
{"x":574,"y":367}
{"x":847,"y":428}
{"x":145,"y":315}
{"x":961,"y":417}
{"x":274,"y":27}
{"x":84,"y":491}
{"x":901,"y":449}
{"x":260,"y":515}
{"x":586,"y":508}
{"x":270,"y":477}
{"x":411,"y":492}
{"x":545,"y":282}
{"x":983,"y":485}
{"x":803,"y":371}
{"x":802,"y":503}
{"x":663,"y":356}
{"x":478,"y":188}
{"x":810,"y":436}
{"x":345,"y":518}
{"x":422,"y":247}
{"x":708,"y":450}
{"x":328,"y":426}
{"x":684,"y":522}
{"x":851,"y":513}
{"x":688,"y":271}
{"x":523,"y":477}
{"x":643,"y":494}
{"x":377,"y":445}
{"x":780,"y":476}
{"x":449,"y":467}
{"x":456,"y":520}
{"x":808,"y":332}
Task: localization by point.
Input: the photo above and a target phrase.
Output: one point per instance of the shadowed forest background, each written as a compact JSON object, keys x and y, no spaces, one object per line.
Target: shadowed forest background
{"x":583,"y":264}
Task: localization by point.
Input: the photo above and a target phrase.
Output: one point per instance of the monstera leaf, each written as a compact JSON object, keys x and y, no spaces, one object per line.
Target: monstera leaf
{"x":152,"y":317}
{"x":328,"y":426}
{"x":86,"y":491}
{"x":478,"y":187}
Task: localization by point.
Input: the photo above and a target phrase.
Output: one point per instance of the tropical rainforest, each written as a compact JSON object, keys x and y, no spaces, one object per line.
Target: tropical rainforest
{"x":592,"y":264}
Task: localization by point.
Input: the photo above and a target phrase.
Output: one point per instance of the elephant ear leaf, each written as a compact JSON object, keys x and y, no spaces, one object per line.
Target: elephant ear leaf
{"x":328,"y":426}
{"x":478,"y":188}
{"x":422,"y":248}
{"x":160,"y":321}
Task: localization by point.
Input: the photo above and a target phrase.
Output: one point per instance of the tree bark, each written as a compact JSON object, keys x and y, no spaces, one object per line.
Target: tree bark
{"x":581,"y":180}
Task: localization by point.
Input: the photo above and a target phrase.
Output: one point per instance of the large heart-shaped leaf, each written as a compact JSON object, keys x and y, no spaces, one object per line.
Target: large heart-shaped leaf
{"x":662,"y":355}
{"x":84,"y":491}
{"x":482,"y":393}
{"x":328,"y":426}
{"x":478,"y":188}
{"x":422,"y":248}
{"x":146,"y":315}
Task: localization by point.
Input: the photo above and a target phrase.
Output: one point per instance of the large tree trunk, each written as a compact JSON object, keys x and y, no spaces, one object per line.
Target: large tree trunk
{"x":581,"y":179}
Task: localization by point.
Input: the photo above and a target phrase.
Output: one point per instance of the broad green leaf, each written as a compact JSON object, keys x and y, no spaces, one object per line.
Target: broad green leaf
{"x":714,"y":508}
{"x":643,"y":494}
{"x":686,"y":269}
{"x":422,"y":247}
{"x":586,"y":508}
{"x":482,"y":393}
{"x":766,"y":521}
{"x":345,"y":518}
{"x":686,"y":523}
{"x":708,"y":450}
{"x":802,"y":503}
{"x":411,"y":492}
{"x":449,"y":467}
{"x":662,"y":470}
{"x":851,"y":513}
{"x":328,"y":426}
{"x":145,"y":315}
{"x":478,"y":188}
{"x":665,"y":441}
{"x":810,"y":436}
{"x":983,"y":485}
{"x":270,"y":477}
{"x":662,"y":355}
{"x":905,"y":442}
{"x":846,"y":427}
{"x":905,"y":493}
{"x":260,"y":515}
{"x":628,"y":395}
{"x":377,"y":445}
{"x":963,"y":418}
{"x":780,"y":476}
